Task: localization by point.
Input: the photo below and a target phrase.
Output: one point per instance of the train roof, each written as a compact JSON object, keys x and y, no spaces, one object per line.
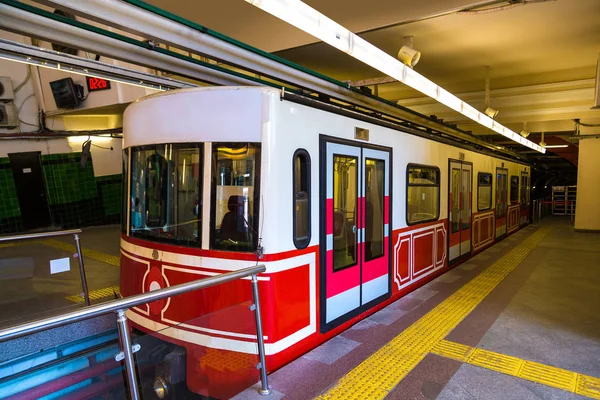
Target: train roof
{"x":174,"y":117}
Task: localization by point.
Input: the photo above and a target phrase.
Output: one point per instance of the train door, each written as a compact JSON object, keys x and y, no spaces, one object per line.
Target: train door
{"x":460,"y":207}
{"x":356,"y":215}
{"x":501,"y":201}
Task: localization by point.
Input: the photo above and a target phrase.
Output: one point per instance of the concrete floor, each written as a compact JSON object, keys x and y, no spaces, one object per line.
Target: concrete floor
{"x":30,"y":291}
{"x":547,"y":310}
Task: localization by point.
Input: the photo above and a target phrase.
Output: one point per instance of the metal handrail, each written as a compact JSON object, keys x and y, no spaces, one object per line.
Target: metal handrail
{"x":123,"y":304}
{"x":40,"y":235}
{"x":120,"y":306}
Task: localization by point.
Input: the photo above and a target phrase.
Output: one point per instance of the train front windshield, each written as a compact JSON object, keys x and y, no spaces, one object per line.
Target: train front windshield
{"x":167,"y":192}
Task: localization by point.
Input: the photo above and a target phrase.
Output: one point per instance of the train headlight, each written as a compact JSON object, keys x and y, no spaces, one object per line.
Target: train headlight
{"x":161,"y":387}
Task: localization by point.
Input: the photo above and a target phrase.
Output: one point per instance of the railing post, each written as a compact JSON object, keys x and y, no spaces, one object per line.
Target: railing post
{"x":572,"y":213}
{"x":264,"y":390}
{"x":128,"y":355}
{"x":86,"y":294}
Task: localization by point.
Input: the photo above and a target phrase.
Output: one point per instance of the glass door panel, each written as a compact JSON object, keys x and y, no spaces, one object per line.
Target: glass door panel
{"x":356,"y":223}
{"x":345,"y":207}
{"x":460,"y":206}
{"x":342,"y":276}
{"x":375,"y":260}
{"x":501,"y":200}
{"x":465,"y":211}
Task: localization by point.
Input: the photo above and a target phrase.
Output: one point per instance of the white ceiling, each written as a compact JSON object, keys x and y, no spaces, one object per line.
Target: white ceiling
{"x":542,"y":55}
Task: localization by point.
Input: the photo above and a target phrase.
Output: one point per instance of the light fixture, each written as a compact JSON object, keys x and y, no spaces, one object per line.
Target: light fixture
{"x":491,"y":112}
{"x":542,"y":143}
{"x":51,"y":59}
{"x":524,"y":132}
{"x":556,"y":146}
{"x":306,"y":18}
{"x":407,"y":54}
{"x":72,"y":69}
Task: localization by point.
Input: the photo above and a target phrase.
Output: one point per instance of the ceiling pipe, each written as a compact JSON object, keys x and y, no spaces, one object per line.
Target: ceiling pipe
{"x":33,"y":25}
{"x":175,"y":31}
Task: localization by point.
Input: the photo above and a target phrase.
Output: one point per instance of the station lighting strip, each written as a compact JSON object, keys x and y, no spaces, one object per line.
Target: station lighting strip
{"x":51,"y":59}
{"x":306,"y":18}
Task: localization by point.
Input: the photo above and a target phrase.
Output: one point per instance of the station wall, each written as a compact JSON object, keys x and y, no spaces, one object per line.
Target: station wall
{"x":587,"y":214}
{"x":76,"y":197}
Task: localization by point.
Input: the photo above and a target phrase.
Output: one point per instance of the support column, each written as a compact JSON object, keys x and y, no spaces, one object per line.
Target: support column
{"x":587,"y":212}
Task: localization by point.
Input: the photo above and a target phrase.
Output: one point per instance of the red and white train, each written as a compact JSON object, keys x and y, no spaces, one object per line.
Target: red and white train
{"x":348,"y":213}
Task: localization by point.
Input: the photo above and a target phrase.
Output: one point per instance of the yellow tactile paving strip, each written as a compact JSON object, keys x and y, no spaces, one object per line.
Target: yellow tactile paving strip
{"x":96,"y":294}
{"x":540,"y":373}
{"x":93,"y":254}
{"x":375,"y":377}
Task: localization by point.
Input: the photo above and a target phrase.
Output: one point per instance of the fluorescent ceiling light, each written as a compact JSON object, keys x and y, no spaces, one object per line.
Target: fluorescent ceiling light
{"x":556,"y":146}
{"x":74,"y":69}
{"x":306,"y":18}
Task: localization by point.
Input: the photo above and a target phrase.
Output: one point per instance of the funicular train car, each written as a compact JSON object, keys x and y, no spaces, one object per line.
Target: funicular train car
{"x":347,"y":213}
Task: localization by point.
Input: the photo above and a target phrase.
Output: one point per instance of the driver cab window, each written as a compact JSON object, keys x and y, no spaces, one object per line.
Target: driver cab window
{"x":423,"y":194}
{"x":235,"y":182}
{"x":166,"y":183}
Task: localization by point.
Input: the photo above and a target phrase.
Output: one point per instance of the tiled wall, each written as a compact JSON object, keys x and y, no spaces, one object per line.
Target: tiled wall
{"x":76,"y":198}
{"x":10,"y":214}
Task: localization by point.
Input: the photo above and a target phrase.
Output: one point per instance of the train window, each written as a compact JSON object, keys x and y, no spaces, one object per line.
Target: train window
{"x":484,"y":191}
{"x":423,"y":194}
{"x":166,"y":187}
{"x":235,"y":196}
{"x":524,"y":190}
{"x":501,"y":192}
{"x":301,"y":170}
{"x":514,"y":189}
{"x":374,"y":207}
{"x":345,"y":207}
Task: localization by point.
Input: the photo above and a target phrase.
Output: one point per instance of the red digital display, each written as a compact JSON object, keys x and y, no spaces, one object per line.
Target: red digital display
{"x":95,"y":84}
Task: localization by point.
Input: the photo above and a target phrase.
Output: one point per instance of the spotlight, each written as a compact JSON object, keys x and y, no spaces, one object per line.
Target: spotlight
{"x":491,"y":112}
{"x":524,"y":133}
{"x":409,"y":56}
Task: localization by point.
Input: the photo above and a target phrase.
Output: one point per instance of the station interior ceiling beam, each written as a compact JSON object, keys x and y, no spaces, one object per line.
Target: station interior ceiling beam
{"x":128,"y":17}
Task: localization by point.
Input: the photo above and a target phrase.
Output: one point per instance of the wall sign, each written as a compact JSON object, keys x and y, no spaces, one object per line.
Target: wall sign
{"x":361,"y":133}
{"x":96,"y":84}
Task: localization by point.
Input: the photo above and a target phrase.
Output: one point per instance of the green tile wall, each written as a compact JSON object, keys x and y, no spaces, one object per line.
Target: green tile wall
{"x":111,"y":188}
{"x":66,"y":181}
{"x":76,"y":197}
{"x":9,"y":202}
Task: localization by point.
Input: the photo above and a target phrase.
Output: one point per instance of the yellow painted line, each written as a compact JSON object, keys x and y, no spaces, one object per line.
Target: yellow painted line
{"x":549,"y":376}
{"x":15,"y":244}
{"x":456,"y":351}
{"x":496,"y":361}
{"x":532,"y":371}
{"x":375,"y":377}
{"x":93,"y":254}
{"x":588,"y":386}
{"x":96,"y":294}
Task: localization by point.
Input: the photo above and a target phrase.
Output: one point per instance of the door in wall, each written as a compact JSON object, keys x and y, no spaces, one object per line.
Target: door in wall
{"x":31,"y":191}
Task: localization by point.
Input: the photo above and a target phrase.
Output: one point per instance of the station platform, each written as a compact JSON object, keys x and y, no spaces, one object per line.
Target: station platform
{"x":521,"y":320}
{"x":31,"y":291}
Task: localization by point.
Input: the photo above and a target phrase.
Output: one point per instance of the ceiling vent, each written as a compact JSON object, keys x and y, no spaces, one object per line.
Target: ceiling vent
{"x":8,"y":116}
{"x":597,"y":89}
